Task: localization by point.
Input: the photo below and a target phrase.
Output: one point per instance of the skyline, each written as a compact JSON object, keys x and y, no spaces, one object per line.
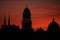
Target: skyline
{"x":40,"y":11}
{"x":53,"y":26}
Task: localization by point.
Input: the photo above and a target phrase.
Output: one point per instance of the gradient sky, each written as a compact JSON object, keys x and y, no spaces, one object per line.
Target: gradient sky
{"x":41,"y":11}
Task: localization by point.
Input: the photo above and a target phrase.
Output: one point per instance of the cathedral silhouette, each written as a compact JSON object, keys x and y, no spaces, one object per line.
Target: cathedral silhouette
{"x":53,"y":26}
{"x":9,"y":27}
{"x":27,"y":24}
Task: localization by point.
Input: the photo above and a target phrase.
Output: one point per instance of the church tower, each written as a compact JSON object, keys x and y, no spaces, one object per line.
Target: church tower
{"x":4,"y":20}
{"x":9,"y":21}
{"x":26,"y":21}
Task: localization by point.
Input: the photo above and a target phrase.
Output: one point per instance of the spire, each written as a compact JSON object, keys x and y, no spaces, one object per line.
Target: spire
{"x":26,"y":6}
{"x":9,"y":20}
{"x":53,"y":19}
{"x":26,"y":3}
{"x":4,"y":20}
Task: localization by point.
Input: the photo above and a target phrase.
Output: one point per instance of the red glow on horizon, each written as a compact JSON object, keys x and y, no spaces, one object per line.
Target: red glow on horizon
{"x":41,"y":13}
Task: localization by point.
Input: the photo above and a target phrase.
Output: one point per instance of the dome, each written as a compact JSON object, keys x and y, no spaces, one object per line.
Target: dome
{"x":53,"y":26}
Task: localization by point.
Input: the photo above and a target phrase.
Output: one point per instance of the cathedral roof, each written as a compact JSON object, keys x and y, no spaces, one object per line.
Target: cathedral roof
{"x":53,"y":26}
{"x":53,"y":23}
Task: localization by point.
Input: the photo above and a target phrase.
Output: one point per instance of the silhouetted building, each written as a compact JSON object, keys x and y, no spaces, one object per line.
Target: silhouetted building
{"x":26,"y":22}
{"x":4,"y":26}
{"x":40,"y":30}
{"x":53,"y":26}
{"x":4,"y":20}
{"x":13,"y":28}
{"x":9,"y":21}
{"x":9,"y":27}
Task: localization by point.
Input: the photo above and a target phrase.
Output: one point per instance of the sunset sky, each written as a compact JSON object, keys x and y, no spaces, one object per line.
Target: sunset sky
{"x":42,"y":11}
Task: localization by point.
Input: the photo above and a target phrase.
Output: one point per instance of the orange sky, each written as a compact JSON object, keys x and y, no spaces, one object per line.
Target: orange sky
{"x":41,"y":11}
